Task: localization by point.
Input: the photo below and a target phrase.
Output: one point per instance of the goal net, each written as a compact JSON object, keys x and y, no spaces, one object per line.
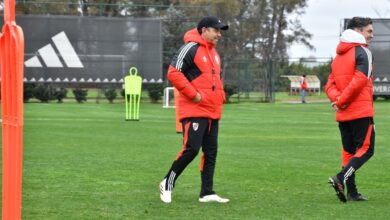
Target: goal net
{"x":169,"y":100}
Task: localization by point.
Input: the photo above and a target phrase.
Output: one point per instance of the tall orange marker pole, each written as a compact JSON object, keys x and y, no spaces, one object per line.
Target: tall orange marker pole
{"x":179,"y":129}
{"x":12,"y":56}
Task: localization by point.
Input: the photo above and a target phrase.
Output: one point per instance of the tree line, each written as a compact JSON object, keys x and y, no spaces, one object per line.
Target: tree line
{"x":259,"y":30}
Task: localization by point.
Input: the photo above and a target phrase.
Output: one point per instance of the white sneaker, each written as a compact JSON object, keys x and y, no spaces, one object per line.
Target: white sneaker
{"x":165,"y":195}
{"x":213,"y":198}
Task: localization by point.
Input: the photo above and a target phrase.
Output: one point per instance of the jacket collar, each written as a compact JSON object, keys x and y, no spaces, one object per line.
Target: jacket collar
{"x":351,"y":36}
{"x":349,"y":39}
{"x":194,"y":36}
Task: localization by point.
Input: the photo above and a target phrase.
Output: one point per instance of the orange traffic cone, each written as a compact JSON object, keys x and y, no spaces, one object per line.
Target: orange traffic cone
{"x":179,"y":128}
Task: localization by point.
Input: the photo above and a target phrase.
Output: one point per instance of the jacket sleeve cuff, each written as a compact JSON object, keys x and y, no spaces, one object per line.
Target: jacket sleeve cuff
{"x":341,"y":104}
{"x":189,"y":91}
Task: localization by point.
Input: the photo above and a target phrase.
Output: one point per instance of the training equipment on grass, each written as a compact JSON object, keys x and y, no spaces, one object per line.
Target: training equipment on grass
{"x":12,"y":56}
{"x":167,"y":97}
{"x":133,"y":85}
{"x":167,"y":103}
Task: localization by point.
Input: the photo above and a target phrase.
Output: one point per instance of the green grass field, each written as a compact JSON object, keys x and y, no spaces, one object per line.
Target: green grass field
{"x":84,"y":161}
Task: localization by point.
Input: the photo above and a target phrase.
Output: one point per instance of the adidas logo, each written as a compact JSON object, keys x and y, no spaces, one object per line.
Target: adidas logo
{"x":49,"y":55}
{"x":378,"y":79}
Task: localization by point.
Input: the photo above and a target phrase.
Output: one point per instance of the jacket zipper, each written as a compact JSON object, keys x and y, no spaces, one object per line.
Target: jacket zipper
{"x":213,"y":69}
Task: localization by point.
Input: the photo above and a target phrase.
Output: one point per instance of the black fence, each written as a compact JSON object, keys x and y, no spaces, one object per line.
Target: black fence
{"x":91,"y":50}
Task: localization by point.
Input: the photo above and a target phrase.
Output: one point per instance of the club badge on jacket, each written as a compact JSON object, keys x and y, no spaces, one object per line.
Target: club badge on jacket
{"x":195,"y":126}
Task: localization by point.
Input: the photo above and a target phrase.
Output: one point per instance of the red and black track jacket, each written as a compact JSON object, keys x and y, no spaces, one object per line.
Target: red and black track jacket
{"x":350,"y":81}
{"x":196,"y":68}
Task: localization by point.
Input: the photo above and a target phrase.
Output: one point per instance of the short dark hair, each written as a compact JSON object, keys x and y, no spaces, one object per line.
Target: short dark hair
{"x":358,"y":22}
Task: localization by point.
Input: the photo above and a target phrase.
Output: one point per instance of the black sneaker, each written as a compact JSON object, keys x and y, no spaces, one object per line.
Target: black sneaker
{"x":357,"y":197}
{"x":338,"y":187}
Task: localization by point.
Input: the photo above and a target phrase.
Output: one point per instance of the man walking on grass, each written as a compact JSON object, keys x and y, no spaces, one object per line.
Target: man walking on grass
{"x":350,"y":90}
{"x":304,"y":87}
{"x":195,"y":73}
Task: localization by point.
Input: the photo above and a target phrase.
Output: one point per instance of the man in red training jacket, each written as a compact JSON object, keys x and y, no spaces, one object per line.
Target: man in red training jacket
{"x":350,"y":90}
{"x":195,"y":73}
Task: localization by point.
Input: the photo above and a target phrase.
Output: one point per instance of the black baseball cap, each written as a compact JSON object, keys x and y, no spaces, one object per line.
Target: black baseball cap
{"x":211,"y":21}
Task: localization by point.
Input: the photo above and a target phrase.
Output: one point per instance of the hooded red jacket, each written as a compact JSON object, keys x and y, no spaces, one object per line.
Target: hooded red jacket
{"x":196,"y":69}
{"x":350,"y":81}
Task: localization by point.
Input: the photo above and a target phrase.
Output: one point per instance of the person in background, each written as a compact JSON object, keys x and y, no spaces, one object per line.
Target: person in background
{"x":304,"y":87}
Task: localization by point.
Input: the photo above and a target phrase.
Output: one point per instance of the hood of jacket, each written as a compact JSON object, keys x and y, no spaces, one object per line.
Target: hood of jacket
{"x":349,"y":39}
{"x":194,"y":36}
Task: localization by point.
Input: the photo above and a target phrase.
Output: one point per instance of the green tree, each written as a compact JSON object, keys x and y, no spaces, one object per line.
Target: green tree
{"x":259,"y":30}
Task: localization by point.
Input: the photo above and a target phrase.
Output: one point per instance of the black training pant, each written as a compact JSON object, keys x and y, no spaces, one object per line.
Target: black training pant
{"x":197,"y":133}
{"x":358,"y":138}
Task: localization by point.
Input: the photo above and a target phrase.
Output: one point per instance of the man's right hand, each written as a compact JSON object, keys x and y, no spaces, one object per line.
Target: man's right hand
{"x":334,"y":106}
{"x":197,"y":98}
